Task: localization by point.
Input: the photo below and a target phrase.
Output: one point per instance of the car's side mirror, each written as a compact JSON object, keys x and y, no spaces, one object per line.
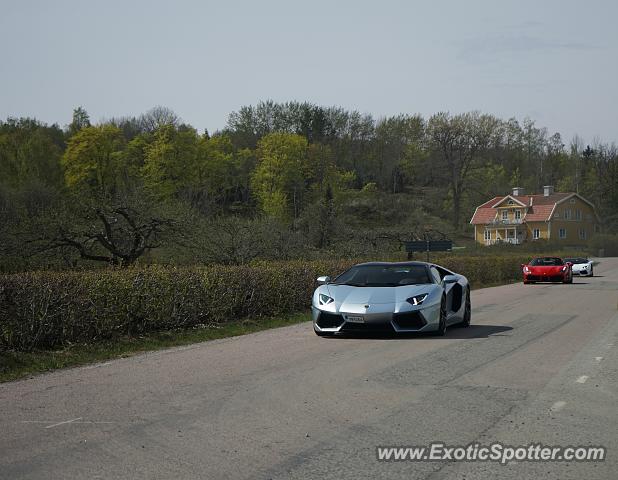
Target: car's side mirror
{"x":323,"y":280}
{"x":449,"y":279}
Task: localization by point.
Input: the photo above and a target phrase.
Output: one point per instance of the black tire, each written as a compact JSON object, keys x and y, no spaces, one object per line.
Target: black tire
{"x":591,"y":272}
{"x":467,"y":311}
{"x":441,"y":331}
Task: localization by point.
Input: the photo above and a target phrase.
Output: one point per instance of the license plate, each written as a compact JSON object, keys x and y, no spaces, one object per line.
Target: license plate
{"x":355,"y":319}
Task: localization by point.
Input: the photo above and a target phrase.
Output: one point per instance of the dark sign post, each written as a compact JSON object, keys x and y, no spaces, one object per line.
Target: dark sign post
{"x":428,"y":246}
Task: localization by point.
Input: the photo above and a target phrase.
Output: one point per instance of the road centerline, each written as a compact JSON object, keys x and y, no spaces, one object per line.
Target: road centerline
{"x":63,"y":423}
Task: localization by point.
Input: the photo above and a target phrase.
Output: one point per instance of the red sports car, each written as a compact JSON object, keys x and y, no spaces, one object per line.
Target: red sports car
{"x":547,"y":269}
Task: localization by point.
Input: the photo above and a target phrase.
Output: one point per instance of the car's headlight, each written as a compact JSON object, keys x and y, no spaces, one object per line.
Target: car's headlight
{"x":565,"y":268}
{"x":325,"y":299}
{"x":417,"y":299}
{"x":526,"y":270}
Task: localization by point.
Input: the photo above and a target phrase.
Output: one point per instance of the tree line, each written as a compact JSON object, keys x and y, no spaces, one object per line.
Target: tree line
{"x":278,"y":174}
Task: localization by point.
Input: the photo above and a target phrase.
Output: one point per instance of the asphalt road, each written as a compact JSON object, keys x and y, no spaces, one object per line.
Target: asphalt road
{"x":539,"y":365}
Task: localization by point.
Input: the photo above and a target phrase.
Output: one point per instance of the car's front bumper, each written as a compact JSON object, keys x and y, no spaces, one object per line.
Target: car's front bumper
{"x":543,"y":277}
{"x":585,"y":270}
{"x":420,"y":319}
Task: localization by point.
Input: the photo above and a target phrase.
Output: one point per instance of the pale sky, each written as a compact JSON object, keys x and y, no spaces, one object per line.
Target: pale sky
{"x":554,"y":61}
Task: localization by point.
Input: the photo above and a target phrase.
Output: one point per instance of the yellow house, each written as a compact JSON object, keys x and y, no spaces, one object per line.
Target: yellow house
{"x":519,"y":218}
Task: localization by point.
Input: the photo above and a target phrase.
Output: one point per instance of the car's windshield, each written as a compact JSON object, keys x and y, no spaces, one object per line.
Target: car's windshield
{"x":383,"y":276}
{"x":577,"y":260}
{"x":546,"y":262}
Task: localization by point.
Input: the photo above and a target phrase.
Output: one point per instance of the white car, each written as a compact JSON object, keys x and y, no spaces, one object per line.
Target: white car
{"x":581,"y":266}
{"x":401,"y":297}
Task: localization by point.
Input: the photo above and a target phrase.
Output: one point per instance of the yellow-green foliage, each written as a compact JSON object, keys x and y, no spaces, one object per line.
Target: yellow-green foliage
{"x":93,"y":158}
{"x":49,"y":309}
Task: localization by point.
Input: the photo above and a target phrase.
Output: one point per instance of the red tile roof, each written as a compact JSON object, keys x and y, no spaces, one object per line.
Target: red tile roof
{"x":539,"y":207}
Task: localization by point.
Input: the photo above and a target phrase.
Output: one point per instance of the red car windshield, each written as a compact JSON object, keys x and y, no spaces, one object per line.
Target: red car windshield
{"x":546,"y":262}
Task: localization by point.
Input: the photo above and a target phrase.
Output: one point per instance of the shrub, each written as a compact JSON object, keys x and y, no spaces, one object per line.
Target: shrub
{"x":607,"y":243}
{"x":50,"y":309}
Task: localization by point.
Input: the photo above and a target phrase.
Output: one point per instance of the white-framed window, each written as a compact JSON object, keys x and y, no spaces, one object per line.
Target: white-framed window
{"x":567,"y":214}
{"x":487,"y":234}
{"x":572,"y":200}
{"x":517,"y":214}
{"x":578,"y":214}
{"x":582,"y":234}
{"x":536,"y":233}
{"x":557,"y":215}
{"x":505,"y":215}
{"x":562,"y":233}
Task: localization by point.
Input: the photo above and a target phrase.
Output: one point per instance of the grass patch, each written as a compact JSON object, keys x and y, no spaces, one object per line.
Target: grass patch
{"x":14,"y":365}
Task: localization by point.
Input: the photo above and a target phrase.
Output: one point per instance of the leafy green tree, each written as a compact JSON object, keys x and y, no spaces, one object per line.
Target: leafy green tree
{"x":170,"y":161}
{"x":30,"y":153}
{"x":323,"y":173}
{"x":216,"y":174}
{"x":81,"y":119}
{"x":279,"y":178}
{"x":93,"y":159}
{"x":397,"y":150}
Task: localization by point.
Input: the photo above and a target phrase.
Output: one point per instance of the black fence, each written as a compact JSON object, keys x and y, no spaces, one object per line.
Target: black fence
{"x":428,"y":246}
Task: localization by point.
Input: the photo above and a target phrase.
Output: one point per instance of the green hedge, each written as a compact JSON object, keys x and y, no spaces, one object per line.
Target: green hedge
{"x":604,"y":243}
{"x":50,"y":309}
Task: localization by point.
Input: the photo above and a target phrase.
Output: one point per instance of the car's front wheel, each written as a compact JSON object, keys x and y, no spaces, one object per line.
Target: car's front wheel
{"x":441,"y":331}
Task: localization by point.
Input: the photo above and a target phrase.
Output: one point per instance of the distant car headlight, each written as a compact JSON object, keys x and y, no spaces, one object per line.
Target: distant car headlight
{"x":526,"y":270}
{"x":325,"y":299}
{"x":417,"y":299}
{"x":565,"y":268}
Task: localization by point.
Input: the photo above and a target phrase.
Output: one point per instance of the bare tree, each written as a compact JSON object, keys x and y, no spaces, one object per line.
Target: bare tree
{"x":158,"y":117}
{"x":117,"y":236}
{"x":459,"y":141}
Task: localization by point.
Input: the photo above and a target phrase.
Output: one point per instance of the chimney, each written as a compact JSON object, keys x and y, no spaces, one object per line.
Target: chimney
{"x":517,"y":191}
{"x":548,"y":190}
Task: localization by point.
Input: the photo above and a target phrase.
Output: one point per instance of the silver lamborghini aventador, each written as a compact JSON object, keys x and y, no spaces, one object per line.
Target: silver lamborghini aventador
{"x":402,"y":297}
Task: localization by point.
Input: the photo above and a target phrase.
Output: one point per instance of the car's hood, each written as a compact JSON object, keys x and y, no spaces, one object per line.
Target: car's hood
{"x":546,"y":268}
{"x":345,"y":294}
